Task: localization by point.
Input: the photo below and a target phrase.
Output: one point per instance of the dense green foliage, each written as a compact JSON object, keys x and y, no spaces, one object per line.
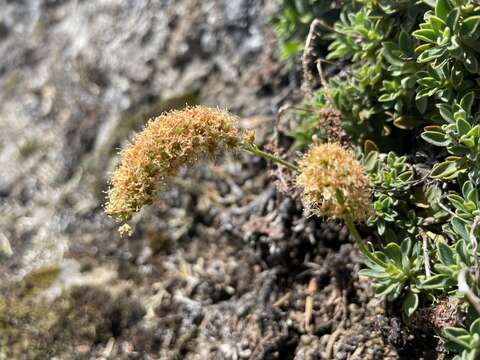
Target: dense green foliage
{"x":293,"y":24}
{"x":408,"y":89}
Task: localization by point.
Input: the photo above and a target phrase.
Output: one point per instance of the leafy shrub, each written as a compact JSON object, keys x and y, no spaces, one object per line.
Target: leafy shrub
{"x":409,"y":99}
{"x":293,"y":22}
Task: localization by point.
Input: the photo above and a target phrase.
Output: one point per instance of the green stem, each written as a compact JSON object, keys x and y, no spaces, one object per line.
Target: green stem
{"x":363,"y":249}
{"x":268,"y":156}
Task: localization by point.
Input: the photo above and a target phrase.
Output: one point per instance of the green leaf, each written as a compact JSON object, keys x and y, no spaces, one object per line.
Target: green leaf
{"x":454,"y":332}
{"x":446,"y":113}
{"x":457,"y":201}
{"x":444,"y":170}
{"x":410,"y":304}
{"x":374,"y":274}
{"x":442,"y":8}
{"x":387,"y":97}
{"x":463,"y":252}
{"x":474,"y":132}
{"x":475,"y":327}
{"x":467,"y":101}
{"x":445,"y":254}
{"x":470,"y":24}
{"x":387,"y":289}
{"x":390,"y":50}
{"x":369,"y":146}
{"x":440,"y":281}
{"x":437,"y":23}
{"x":421,"y":104}
{"x":460,"y":228}
{"x":471,"y":62}
{"x":458,"y":150}
{"x":463,"y":127}
{"x":453,"y":18}
{"x":406,"y":122}
{"x":371,"y":161}
{"x":406,"y":43}
{"x":467,"y":188}
{"x":436,"y":138}
{"x":393,"y":252}
{"x":427,"y":35}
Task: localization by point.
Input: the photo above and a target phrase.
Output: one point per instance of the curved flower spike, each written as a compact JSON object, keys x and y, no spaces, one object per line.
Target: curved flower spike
{"x":168,"y":142}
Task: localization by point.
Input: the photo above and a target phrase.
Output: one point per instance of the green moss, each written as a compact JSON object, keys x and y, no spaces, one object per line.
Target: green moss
{"x":41,"y":278}
{"x":28,"y":148}
{"x":31,"y":327}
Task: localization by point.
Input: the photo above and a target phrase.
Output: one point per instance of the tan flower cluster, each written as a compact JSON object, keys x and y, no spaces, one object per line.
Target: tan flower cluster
{"x":167,"y":143}
{"x":334,"y":183}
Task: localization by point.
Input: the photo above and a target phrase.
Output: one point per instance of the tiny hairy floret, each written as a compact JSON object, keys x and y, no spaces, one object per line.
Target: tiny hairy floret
{"x":168,"y":142}
{"x":334,"y":183}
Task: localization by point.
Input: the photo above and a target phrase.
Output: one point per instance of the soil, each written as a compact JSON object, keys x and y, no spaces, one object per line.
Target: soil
{"x":226,"y":265}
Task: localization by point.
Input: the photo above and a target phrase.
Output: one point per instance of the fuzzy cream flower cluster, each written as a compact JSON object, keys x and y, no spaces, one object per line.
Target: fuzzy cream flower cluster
{"x":168,"y":142}
{"x":334,"y":183}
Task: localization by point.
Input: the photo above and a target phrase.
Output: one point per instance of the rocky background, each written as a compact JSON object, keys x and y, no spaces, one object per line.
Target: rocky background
{"x":225,"y":266}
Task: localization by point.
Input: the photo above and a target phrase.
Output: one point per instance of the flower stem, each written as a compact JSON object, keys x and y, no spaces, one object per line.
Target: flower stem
{"x":269,"y":156}
{"x":361,"y":246}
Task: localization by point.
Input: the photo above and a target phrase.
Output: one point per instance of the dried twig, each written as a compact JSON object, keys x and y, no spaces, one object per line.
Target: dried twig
{"x":426,"y":256}
{"x":282,"y":300}
{"x":308,"y":50}
{"x":474,"y":242}
{"x":312,"y":289}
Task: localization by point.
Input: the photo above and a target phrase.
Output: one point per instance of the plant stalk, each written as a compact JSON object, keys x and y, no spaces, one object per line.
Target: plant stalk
{"x":363,"y":249}
{"x":269,"y":156}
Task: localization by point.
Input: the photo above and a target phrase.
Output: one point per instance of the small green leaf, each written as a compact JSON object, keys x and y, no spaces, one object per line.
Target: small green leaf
{"x":442,"y":8}
{"x":410,"y":304}
{"x":371,"y":160}
{"x":470,"y":24}
{"x":458,"y":150}
{"x":445,"y":254}
{"x":463,"y":127}
{"x":394,"y":252}
{"x":474,"y":132}
{"x":374,"y":274}
{"x":444,"y":170}
{"x":406,"y":43}
{"x":460,"y":228}
{"x":467,"y":188}
{"x":369,"y":146}
{"x":440,"y":281}
{"x":467,"y":101}
{"x":427,"y":35}
{"x":463,"y":252}
{"x":457,"y":201}
{"x":453,"y":18}
{"x":475,"y":327}
{"x":421,"y":104}
{"x":471,"y":62}
{"x":455,"y":334}
{"x":436,"y":138}
{"x":446,"y":113}
{"x":406,"y":122}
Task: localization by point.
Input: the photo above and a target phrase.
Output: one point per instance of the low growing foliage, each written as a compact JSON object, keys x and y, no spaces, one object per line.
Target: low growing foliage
{"x":408,"y":89}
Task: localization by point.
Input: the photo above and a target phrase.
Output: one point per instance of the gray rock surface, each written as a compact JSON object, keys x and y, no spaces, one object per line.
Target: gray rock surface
{"x":76,"y":78}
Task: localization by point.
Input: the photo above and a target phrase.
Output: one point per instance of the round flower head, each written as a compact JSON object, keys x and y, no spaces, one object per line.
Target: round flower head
{"x":167,"y":143}
{"x":334,"y":183}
